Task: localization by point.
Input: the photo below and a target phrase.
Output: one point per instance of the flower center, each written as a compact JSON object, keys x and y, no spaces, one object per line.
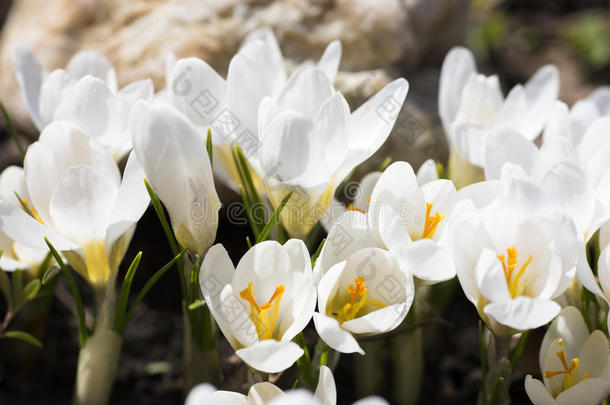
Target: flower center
{"x":357,"y":300}
{"x":509,"y":264}
{"x":570,"y":372}
{"x":263,"y":320}
{"x":431,"y":223}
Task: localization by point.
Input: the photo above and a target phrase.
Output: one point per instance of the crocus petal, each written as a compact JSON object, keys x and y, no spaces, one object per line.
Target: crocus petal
{"x":508,"y":145}
{"x":29,"y":76}
{"x":199,"y":92}
{"x":427,"y":172}
{"x":372,"y":400}
{"x":92,"y":63}
{"x":426,"y":260}
{"x":82,"y":204}
{"x":603,"y":271}
{"x":305,"y":91}
{"x":541,"y":91}
{"x":29,"y":232}
{"x":371,"y":123}
{"x":12,"y":181}
{"x":490,"y":277}
{"x":523,"y":313}
{"x":270,"y":356}
{"x":263,"y":393}
{"x":537,"y":392}
{"x":590,"y":391}
{"x":333,"y":335}
{"x":54,"y":89}
{"x":571,"y":328}
{"x":380,"y":321}
{"x":457,"y":68}
{"x":329,"y":62}
{"x":89,"y":104}
{"x":326,"y":391}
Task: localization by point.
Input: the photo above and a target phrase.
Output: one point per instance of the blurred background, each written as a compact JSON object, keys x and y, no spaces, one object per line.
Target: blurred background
{"x":382,"y":40}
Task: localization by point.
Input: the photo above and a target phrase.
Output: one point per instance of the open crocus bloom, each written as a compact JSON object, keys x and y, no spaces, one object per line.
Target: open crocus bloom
{"x":309,"y":142}
{"x":360,"y":193}
{"x":79,"y":201}
{"x":470,"y":104}
{"x":515,"y":255}
{"x":264,"y":393}
{"x":230,"y":107}
{"x":572,"y":171}
{"x":14,"y":254}
{"x":173,"y":155}
{"x":261,"y":305}
{"x":367,"y":294}
{"x":574,"y":364}
{"x":402,"y":217}
{"x":85,"y":94}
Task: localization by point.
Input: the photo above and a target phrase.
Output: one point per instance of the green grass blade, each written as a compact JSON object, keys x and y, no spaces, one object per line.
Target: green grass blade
{"x":23,"y":336}
{"x":149,"y":284}
{"x":210,"y":147}
{"x":80,"y":309}
{"x":274,"y":219}
{"x":119,"y":317}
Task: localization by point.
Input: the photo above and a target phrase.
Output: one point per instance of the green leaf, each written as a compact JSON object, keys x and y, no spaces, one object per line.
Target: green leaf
{"x":31,"y":290}
{"x":210,"y":147}
{"x":315,"y":256}
{"x":80,"y":309}
{"x":13,"y":132}
{"x":248,"y":242}
{"x":19,"y":335}
{"x":50,"y":274}
{"x":169,"y":234}
{"x":24,"y":205}
{"x":197,"y":304}
{"x":119,"y":317}
{"x":518,"y":352}
{"x":274,"y":219}
{"x":149,"y":284}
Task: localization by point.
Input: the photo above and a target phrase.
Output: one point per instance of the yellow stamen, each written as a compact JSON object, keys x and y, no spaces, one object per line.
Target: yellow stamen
{"x":570,"y":373}
{"x":358,"y":299}
{"x":431,"y":223}
{"x":352,"y":207}
{"x":263,"y":321}
{"x":509,"y":264}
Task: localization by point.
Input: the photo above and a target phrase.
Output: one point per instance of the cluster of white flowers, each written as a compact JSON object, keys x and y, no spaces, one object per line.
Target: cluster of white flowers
{"x":528,"y":188}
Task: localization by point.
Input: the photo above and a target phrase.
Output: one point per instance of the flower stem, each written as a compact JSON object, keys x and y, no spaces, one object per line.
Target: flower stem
{"x":200,"y":360}
{"x":98,"y":358}
{"x":497,"y":382}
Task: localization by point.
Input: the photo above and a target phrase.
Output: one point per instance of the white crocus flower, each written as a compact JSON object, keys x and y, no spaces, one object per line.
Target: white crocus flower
{"x":264,"y":393}
{"x":574,"y":364}
{"x":309,"y":142}
{"x":79,"y":202}
{"x":573,"y":174}
{"x":367,"y":294}
{"x":14,"y":254}
{"x":173,"y":155}
{"x":515,"y":255}
{"x":470,"y":104}
{"x":263,"y":303}
{"x":403,"y":217}
{"x":230,"y":107}
{"x":85,"y":93}
{"x":360,"y":193}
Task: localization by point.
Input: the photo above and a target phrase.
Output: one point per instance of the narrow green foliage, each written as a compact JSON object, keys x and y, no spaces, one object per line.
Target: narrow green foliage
{"x":209,"y":147}
{"x":384,"y":165}
{"x":119,"y":318}
{"x":149,"y":284}
{"x":314,"y":257}
{"x":197,"y":304}
{"x":80,"y":309}
{"x":518,"y":352}
{"x":275,"y":218}
{"x":24,"y":205}
{"x":50,"y":274}
{"x":23,"y":336}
